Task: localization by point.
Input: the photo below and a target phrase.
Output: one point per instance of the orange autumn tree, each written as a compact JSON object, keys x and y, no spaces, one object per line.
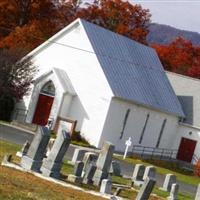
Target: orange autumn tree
{"x":180,"y":56}
{"x":119,"y":16}
{"x":27,"y":23}
{"x":31,"y":22}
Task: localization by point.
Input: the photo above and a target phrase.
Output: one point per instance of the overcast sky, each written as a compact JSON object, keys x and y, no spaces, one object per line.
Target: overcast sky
{"x":180,"y":14}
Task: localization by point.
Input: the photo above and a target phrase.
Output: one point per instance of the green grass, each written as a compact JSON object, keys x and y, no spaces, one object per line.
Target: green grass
{"x":17,"y":185}
{"x":8,"y":148}
{"x":188,"y":179}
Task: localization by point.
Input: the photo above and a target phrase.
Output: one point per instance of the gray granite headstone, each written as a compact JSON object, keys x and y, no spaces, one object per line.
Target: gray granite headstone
{"x":197,"y":197}
{"x":146,"y":189}
{"x":87,"y":179}
{"x":174,"y":192}
{"x":77,"y":156}
{"x":88,"y":159}
{"x":169,"y":180}
{"x":106,"y":186}
{"x":78,"y":168}
{"x":52,"y":164}
{"x":36,"y":152}
{"x":150,"y":172}
{"x":138,"y":173}
{"x":115,"y":168}
{"x":103,"y":163}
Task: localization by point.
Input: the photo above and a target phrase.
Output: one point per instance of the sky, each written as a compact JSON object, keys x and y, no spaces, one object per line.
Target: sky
{"x":179,"y":14}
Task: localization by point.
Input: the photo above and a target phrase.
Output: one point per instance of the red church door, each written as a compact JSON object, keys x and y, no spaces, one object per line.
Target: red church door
{"x":43,"y":109}
{"x":186,"y":149}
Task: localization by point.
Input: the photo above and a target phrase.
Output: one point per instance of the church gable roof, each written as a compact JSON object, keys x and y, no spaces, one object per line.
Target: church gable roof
{"x":134,"y":71}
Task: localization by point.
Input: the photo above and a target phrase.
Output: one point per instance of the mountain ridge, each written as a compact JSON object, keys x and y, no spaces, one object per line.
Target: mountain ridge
{"x":165,"y":34}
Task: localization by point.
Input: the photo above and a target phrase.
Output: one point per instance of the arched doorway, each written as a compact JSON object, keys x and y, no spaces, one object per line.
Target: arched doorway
{"x":44,"y":104}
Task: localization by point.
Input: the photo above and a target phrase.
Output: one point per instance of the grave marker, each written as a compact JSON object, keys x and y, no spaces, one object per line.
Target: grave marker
{"x":36,"y":152}
{"x":52,"y":164}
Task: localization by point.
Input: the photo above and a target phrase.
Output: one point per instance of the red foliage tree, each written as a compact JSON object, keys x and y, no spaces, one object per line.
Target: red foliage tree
{"x":119,"y":16}
{"x":27,"y":23}
{"x":180,"y":56}
{"x":34,"y":21}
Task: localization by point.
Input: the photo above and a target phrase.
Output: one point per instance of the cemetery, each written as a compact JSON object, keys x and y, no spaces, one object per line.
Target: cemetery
{"x":89,"y":173}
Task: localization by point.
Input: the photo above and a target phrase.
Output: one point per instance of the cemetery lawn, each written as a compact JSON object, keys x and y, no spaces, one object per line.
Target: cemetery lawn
{"x":188,"y":179}
{"x":24,"y":186}
{"x":17,"y":185}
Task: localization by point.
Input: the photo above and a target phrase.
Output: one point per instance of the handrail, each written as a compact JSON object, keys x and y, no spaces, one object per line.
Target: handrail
{"x":152,"y":152}
{"x":158,"y":153}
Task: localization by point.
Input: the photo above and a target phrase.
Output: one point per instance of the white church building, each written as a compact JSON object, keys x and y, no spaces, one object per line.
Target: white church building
{"x":114,"y":87}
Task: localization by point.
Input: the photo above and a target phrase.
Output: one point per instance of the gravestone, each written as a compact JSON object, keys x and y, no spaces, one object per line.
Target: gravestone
{"x":197,"y":197}
{"x":52,"y":164}
{"x":115,"y":168}
{"x":89,"y":158}
{"x":106,"y":186}
{"x":36,"y":152}
{"x":146,"y":189}
{"x":138,"y":173}
{"x":89,"y":173}
{"x":103,"y":163}
{"x":174,"y":192}
{"x":118,"y":191}
{"x":50,"y":145}
{"x":169,"y":180}
{"x":6,"y":159}
{"x":150,"y":172}
{"x":77,"y":156}
{"x":24,"y":149}
{"x":78,"y":168}
{"x":76,"y":177}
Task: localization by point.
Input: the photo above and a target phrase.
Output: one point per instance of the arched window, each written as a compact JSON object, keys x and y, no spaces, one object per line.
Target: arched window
{"x":48,"y":89}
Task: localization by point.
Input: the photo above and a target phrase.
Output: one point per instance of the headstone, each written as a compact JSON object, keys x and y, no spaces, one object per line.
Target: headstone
{"x":88,"y":176}
{"x":103,"y":163}
{"x":78,"y":168}
{"x":174,"y":192}
{"x":115,"y":168}
{"x":74,"y":179}
{"x":128,"y":143}
{"x":169,"y":180}
{"x":52,"y":164}
{"x":77,"y":156}
{"x":106,"y":186}
{"x":24,"y":149}
{"x":36,"y":152}
{"x":118,"y":190}
{"x":150,"y":172}
{"x":50,"y":145}
{"x":138,"y":173}
{"x":88,"y":159}
{"x":198,"y":193}
{"x":146,"y":189}
{"x":7,"y":158}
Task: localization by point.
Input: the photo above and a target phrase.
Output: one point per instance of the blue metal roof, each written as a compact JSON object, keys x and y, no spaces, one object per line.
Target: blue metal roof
{"x":134,"y":71}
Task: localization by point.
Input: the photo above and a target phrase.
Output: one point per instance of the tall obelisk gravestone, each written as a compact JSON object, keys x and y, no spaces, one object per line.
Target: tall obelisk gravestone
{"x":52,"y":164}
{"x":33,"y":159}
